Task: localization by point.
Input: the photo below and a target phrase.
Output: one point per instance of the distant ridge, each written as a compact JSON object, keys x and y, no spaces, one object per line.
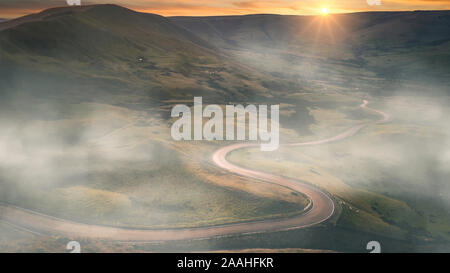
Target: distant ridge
{"x":59,"y":11}
{"x":108,"y":47}
{"x":396,"y":28}
{"x":43,"y":15}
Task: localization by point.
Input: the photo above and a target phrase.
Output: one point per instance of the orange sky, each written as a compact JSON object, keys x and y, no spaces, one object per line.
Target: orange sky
{"x":15,"y":8}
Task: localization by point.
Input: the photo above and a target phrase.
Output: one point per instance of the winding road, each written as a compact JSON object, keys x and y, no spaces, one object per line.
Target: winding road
{"x":322,"y":207}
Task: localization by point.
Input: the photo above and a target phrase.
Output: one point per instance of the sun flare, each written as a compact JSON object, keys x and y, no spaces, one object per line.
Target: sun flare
{"x":324,"y":11}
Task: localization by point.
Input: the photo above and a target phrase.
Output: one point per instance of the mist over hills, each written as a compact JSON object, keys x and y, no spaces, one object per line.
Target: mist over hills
{"x":86,"y":94}
{"x":393,"y":46}
{"x":97,"y":51}
{"x":107,"y":52}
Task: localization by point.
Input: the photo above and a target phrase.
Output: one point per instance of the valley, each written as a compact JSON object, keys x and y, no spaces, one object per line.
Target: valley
{"x":85,"y":132}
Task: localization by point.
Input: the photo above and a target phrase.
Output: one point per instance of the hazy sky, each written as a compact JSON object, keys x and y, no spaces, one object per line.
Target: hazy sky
{"x":14,"y":8}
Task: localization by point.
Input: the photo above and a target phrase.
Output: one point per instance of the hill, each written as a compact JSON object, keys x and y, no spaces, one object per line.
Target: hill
{"x":92,"y":87}
{"x":104,"y":50}
{"x":110,"y":53}
{"x":85,"y":94}
{"x":376,"y":50}
{"x":263,"y":30}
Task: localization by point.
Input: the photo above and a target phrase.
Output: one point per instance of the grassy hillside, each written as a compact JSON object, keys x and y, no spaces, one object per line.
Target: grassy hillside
{"x":390,"y":179}
{"x":85,"y":95}
{"x":371,"y":51}
{"x":106,"y":50}
{"x":418,"y":28}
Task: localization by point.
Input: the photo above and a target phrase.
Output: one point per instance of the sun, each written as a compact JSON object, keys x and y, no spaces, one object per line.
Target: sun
{"x":324,"y":11}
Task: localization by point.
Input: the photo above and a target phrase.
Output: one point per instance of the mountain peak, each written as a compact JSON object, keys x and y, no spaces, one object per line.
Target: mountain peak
{"x":52,"y":13}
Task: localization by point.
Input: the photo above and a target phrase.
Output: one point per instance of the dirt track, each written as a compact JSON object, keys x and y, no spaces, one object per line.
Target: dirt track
{"x":322,"y":208}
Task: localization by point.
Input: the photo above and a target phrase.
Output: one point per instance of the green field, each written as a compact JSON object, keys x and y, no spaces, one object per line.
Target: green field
{"x":121,"y":172}
{"x":381,"y":176}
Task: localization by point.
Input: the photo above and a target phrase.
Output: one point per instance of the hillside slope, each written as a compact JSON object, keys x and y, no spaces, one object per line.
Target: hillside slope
{"x":100,"y":50}
{"x":376,"y":50}
{"x":266,"y":30}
